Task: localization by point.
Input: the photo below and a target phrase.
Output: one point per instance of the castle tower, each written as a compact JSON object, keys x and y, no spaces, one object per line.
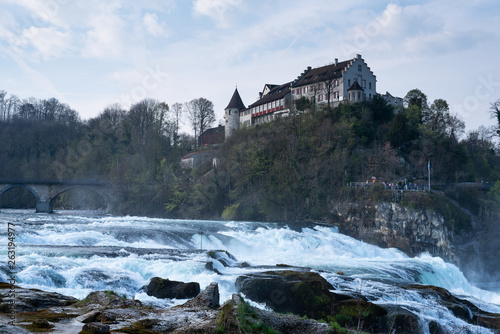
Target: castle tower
{"x":233,"y":113}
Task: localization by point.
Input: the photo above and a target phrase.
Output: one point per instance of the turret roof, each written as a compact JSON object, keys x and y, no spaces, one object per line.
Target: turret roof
{"x":355,"y":86}
{"x":236,"y":101}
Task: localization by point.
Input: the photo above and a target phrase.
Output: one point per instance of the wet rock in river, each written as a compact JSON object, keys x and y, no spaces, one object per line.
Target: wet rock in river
{"x":299,"y":292}
{"x":165,"y":288}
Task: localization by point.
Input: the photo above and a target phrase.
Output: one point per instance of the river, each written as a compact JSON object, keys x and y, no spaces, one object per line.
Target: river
{"x":77,"y":252}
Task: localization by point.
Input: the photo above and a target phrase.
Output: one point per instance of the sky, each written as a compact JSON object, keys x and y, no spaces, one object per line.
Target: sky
{"x":93,"y":53}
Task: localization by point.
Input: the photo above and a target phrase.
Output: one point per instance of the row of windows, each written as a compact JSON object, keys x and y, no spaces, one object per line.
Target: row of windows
{"x":264,"y":119}
{"x":324,"y":97}
{"x":267,"y":106}
{"x":314,"y":88}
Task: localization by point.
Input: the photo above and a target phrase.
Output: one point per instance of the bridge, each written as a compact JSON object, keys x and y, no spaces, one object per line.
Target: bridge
{"x":46,"y":190}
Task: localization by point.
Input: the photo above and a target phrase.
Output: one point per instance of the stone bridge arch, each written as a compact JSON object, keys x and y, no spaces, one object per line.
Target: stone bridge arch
{"x":4,"y":188}
{"x":46,"y":191}
{"x":108,"y":198}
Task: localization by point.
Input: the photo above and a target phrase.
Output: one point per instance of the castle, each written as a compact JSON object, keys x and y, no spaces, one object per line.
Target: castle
{"x":349,"y":80}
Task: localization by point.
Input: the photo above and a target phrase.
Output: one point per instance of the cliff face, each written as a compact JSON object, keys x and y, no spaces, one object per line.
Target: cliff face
{"x":416,"y":231}
{"x":390,"y":225}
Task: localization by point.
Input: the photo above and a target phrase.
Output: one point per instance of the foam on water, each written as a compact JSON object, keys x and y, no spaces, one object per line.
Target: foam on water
{"x":75,"y":255}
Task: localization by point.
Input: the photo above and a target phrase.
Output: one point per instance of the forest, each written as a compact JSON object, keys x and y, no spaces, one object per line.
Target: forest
{"x":291,"y":169}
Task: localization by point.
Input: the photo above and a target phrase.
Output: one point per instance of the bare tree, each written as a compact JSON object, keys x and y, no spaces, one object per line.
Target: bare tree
{"x":3,"y":106}
{"x":495,"y":113}
{"x":148,"y":115}
{"x":329,"y":79}
{"x":12,"y":106}
{"x":177,"y":114}
{"x":200,"y":114}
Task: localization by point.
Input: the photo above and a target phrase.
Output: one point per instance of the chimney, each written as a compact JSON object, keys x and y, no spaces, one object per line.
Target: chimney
{"x":308,"y":68}
{"x":359,"y":56}
{"x":336,"y":61}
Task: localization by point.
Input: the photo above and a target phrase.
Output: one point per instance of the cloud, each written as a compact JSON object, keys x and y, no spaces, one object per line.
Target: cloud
{"x":49,"y":42}
{"x":216,"y":9}
{"x":443,"y":42}
{"x":150,"y":21}
{"x":104,"y":39}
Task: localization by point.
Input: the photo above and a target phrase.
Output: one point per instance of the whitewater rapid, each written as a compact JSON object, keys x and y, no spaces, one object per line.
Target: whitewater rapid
{"x":75,"y":253}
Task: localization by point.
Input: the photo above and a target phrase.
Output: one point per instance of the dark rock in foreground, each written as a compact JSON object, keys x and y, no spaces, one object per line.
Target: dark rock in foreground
{"x":7,"y":329}
{"x":106,"y":312}
{"x":299,"y":292}
{"x":27,"y":300}
{"x":207,"y":298}
{"x":165,"y":288}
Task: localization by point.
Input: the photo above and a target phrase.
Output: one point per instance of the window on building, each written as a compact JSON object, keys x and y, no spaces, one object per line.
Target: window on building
{"x":364,"y":83}
{"x":370,"y":85}
{"x":359,"y":68}
{"x":349,"y":83}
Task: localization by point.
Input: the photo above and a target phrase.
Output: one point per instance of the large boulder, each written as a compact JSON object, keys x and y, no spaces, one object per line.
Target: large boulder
{"x":207,"y":298}
{"x":28,"y":300}
{"x":106,"y":299}
{"x":165,"y":288}
{"x":299,"y":292}
{"x":358,"y":313}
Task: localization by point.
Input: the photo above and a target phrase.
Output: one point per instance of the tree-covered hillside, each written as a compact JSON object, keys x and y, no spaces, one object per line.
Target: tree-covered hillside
{"x":290,"y":169}
{"x":293,"y":168}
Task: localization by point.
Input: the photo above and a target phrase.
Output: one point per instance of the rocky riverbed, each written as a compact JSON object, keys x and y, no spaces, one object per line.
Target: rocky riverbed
{"x":297,"y":301}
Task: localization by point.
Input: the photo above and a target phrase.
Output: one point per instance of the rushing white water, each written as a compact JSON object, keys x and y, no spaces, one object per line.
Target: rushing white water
{"x":76,"y":253}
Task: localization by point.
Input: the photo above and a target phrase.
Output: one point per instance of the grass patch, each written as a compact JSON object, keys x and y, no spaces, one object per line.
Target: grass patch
{"x":241,"y":319}
{"x":250,"y":323}
{"x":230,"y":212}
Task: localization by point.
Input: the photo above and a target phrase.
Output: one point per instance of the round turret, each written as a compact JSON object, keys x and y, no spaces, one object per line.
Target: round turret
{"x":232,"y":113}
